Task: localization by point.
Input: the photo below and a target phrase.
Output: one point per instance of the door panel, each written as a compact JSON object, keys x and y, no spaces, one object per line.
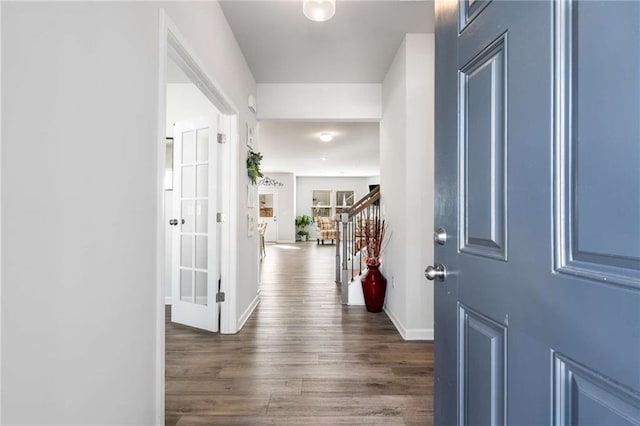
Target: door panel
{"x":582,"y":396}
{"x":196,"y":269}
{"x":538,"y":188}
{"x":594,"y":160}
{"x":482,"y":153}
{"x":481,"y":369}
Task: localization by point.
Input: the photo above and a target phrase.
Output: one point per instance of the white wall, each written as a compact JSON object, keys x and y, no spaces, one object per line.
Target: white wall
{"x":353,"y":102}
{"x":406,"y":177}
{"x":286,"y":204}
{"x":373,"y":180}
{"x":306,"y":185}
{"x":79,"y":203}
{"x":186,"y":102}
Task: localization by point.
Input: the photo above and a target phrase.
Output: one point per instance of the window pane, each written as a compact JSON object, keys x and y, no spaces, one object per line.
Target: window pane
{"x":188,"y":215}
{"x":202,"y":216}
{"x":202,"y":251}
{"x":202,"y":185}
{"x":203,"y":145}
{"x":186,"y":286}
{"x":201,"y":288}
{"x":186,"y":251}
{"x":188,"y":182}
{"x":189,"y":147}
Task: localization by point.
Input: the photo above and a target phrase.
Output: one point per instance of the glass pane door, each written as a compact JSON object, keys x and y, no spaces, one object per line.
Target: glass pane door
{"x":194,"y":232}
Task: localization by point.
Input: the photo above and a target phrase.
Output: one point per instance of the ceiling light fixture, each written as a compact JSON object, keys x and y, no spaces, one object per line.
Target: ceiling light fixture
{"x":326,"y":137}
{"x":319,"y":10}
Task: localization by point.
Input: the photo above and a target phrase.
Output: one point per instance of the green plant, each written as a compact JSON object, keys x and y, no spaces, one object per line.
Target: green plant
{"x":253,"y":166}
{"x":302,"y":222}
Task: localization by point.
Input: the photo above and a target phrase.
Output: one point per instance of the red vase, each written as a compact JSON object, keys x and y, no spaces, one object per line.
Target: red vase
{"x":374,"y":286}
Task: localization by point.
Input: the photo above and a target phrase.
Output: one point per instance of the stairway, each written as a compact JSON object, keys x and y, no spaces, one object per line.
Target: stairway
{"x":350,"y":246}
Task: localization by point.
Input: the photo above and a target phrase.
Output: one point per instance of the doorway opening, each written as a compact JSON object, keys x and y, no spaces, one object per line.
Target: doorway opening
{"x":197,"y":181}
{"x":268,"y":201}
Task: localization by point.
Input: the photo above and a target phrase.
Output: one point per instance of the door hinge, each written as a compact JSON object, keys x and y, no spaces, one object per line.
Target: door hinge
{"x":220,"y":297}
{"x":219,"y":217}
{"x":222,"y":138}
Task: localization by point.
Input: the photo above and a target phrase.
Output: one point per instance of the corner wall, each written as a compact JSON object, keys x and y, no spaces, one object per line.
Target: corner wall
{"x":406,"y":178}
{"x":349,"y":102}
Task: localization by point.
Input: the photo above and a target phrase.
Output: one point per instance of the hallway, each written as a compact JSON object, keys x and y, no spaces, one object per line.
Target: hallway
{"x":302,"y":358}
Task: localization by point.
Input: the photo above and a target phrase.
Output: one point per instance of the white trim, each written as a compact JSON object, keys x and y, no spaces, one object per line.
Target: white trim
{"x":171,"y":41}
{"x":228,"y":318}
{"x":356,"y":295}
{"x":168,"y":300}
{"x":0,"y":210}
{"x":288,"y":241}
{"x":247,"y":313}
{"x":411,"y":333}
{"x":160,"y":234}
{"x":419,"y":334}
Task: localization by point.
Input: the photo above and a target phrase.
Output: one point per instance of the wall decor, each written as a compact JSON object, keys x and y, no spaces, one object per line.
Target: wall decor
{"x":253,"y":166}
{"x":250,"y":139}
{"x":268,"y":181}
{"x":251,"y":224}
{"x":251,"y":196}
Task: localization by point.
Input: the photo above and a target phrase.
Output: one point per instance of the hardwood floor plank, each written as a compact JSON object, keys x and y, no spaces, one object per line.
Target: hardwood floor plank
{"x":301,"y":359}
{"x":404,"y":386}
{"x":303,"y":420}
{"x":248,"y":387}
{"x":361,"y":405}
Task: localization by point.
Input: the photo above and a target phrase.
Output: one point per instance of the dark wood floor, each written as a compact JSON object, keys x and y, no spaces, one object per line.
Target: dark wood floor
{"x":302,"y":358}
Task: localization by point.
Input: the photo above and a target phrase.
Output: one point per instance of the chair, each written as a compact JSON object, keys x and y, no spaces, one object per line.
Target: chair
{"x":326,"y":229}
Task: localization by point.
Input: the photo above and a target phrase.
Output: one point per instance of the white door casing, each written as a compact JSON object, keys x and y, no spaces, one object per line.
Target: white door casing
{"x":270,"y":197}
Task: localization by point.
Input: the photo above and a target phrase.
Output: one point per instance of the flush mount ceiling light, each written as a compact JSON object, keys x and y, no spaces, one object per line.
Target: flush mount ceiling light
{"x":326,"y":137}
{"x":319,"y":10}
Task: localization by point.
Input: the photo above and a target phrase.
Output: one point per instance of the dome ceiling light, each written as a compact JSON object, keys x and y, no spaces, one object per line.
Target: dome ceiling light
{"x":326,"y":137}
{"x":319,"y":10}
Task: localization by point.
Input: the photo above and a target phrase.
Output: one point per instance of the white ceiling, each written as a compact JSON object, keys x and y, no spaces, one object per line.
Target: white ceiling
{"x":356,"y":46}
{"x":289,"y":146}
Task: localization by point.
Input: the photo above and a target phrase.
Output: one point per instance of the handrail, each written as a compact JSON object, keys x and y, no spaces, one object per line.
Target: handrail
{"x":349,"y":242}
{"x":365,"y":202}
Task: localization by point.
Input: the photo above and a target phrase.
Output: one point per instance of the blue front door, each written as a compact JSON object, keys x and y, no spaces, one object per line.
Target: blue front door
{"x":538,"y":189}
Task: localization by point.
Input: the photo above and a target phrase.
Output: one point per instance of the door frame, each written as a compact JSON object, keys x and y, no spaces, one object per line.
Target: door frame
{"x":172,"y":43}
{"x":270,"y":191}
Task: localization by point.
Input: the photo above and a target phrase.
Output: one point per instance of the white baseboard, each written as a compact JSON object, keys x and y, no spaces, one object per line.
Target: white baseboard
{"x":168,"y":300}
{"x":411,"y":333}
{"x":356,"y":296}
{"x":247,"y":313}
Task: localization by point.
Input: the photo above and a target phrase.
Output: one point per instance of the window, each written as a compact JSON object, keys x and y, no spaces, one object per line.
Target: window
{"x":321,"y":206}
{"x":344,"y":200}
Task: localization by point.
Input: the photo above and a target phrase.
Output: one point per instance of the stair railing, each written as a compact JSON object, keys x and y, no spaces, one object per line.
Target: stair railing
{"x":351,"y":243}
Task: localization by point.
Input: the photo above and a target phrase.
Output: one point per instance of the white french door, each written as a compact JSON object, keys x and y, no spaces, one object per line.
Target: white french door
{"x":195,"y":231}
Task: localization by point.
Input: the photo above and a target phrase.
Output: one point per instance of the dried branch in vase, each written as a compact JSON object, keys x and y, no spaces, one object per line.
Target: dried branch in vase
{"x":375,"y":239}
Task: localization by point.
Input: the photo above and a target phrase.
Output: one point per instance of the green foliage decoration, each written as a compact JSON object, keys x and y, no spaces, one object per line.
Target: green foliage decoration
{"x":253,"y":166}
{"x":302,"y":222}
